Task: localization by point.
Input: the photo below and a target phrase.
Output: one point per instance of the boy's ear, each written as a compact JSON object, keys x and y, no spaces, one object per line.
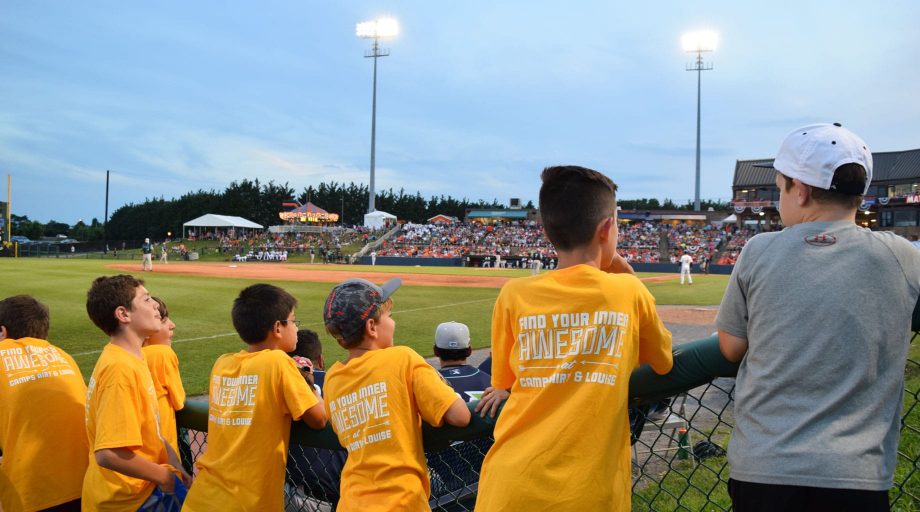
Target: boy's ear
{"x":603,"y":228}
{"x":122,"y":314}
{"x":802,"y":192}
{"x":2,"y":332}
{"x":370,"y":328}
{"x":276,"y":329}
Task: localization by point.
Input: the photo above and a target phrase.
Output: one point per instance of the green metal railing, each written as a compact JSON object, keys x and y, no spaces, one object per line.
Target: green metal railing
{"x":678,"y":457}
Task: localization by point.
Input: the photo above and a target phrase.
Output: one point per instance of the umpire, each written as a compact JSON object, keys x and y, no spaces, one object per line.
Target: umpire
{"x":819,"y":316}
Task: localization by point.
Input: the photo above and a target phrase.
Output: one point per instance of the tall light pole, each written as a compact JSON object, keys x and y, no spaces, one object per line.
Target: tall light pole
{"x":376,"y":30}
{"x":699,"y":42}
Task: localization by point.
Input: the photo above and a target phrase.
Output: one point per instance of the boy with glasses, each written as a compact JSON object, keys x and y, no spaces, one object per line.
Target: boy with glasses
{"x":254,"y":395}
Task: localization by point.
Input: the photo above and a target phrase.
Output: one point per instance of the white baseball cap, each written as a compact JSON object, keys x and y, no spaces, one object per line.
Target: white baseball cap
{"x":812,"y":153}
{"x":452,"y":336}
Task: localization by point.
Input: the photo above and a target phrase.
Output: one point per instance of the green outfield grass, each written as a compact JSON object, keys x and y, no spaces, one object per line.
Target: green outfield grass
{"x":200,"y":306}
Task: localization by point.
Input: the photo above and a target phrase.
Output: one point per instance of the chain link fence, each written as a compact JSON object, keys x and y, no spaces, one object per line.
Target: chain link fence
{"x":678,"y":454}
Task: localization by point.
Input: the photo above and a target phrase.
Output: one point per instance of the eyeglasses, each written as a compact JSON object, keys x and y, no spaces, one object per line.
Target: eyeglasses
{"x":295,"y":322}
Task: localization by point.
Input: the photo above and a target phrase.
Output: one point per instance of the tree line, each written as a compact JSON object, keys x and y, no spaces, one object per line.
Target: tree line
{"x":259,"y":202}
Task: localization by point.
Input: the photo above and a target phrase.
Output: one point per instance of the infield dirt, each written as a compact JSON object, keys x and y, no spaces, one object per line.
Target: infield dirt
{"x":315,"y":273}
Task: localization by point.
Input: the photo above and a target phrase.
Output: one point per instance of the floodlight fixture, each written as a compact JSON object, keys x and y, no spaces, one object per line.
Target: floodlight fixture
{"x":376,"y":30}
{"x":699,"y":42}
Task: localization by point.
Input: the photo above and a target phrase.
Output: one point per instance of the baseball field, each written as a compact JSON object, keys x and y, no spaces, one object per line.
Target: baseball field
{"x":200,"y":295}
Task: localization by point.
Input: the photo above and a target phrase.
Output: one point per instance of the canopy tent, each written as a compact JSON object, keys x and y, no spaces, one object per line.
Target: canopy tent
{"x":377,"y":219}
{"x":222,"y":222}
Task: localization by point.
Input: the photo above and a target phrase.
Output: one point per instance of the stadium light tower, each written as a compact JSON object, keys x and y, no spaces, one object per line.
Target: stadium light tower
{"x":699,"y":42}
{"x":376,"y":30}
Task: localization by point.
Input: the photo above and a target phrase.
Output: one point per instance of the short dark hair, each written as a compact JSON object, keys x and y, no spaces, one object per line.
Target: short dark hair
{"x":848,"y":177}
{"x":257,"y":309}
{"x":164,"y":311}
{"x":308,"y":345}
{"x":452,"y":354}
{"x":573,"y":201}
{"x":105,"y":295}
{"x":24,"y":317}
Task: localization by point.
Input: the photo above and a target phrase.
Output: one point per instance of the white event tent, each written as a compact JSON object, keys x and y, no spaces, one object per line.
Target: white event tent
{"x":222,"y":223}
{"x":376,"y":219}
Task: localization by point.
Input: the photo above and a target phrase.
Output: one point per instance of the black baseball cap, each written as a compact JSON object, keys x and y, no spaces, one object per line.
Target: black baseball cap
{"x":352,"y":302}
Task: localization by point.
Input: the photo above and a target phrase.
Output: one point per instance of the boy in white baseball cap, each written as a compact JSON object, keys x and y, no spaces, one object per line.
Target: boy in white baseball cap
{"x":818,"y":392}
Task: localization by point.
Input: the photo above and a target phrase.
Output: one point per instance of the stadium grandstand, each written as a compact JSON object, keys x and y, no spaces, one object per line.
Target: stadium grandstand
{"x":892,"y":203}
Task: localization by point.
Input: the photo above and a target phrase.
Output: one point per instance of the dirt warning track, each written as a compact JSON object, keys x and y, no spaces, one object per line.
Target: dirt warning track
{"x":317,"y":273}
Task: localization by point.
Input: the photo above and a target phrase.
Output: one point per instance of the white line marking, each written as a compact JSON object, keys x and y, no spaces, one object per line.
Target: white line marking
{"x":442,"y":306}
{"x":316,"y":324}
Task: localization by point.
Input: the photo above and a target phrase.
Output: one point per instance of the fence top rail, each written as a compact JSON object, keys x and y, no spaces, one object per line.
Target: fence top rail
{"x":695,"y":363}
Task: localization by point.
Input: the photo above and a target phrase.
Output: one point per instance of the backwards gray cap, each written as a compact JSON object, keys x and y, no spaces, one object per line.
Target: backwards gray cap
{"x":351,"y":303}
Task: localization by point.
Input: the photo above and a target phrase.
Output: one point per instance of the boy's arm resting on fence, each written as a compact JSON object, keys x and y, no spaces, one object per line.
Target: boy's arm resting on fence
{"x":457,"y":415}
{"x":315,"y":417}
{"x":695,"y":363}
{"x":438,"y":438}
{"x":732,"y":347}
{"x":492,"y":399}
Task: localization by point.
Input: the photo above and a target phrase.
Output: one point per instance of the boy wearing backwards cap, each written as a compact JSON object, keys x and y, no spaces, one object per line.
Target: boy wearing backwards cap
{"x":818,"y":393}
{"x":376,"y":400}
{"x":565,"y":343}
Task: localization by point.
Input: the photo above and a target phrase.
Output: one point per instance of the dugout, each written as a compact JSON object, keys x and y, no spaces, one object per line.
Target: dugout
{"x":892,"y":203}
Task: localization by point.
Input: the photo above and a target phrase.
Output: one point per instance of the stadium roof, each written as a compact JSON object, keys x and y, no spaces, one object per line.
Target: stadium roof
{"x":211,"y":220}
{"x":498,"y":214}
{"x":887,"y":166}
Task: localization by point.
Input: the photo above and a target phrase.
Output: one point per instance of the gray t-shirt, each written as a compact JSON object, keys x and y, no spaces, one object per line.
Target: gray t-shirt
{"x":826,"y":309}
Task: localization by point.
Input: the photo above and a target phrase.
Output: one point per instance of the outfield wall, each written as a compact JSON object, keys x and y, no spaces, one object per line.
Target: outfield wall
{"x":476,"y":261}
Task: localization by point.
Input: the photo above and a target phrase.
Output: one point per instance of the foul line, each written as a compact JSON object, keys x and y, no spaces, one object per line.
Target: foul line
{"x":442,"y":306}
{"x":313,"y":324}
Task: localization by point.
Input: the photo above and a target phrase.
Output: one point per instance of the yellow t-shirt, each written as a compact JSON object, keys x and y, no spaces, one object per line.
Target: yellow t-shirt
{"x":253,"y":399}
{"x":565,"y":343}
{"x":376,"y":403}
{"x":121,"y":412}
{"x":164,"y":369}
{"x":42,"y":401}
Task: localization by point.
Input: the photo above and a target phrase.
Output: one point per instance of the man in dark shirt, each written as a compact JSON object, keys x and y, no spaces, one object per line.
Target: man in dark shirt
{"x":456,"y":471}
{"x":452,"y":347}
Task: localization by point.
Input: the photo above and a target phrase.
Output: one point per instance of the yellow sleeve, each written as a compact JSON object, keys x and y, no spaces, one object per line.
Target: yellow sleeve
{"x":432,"y":394}
{"x":502,"y":343}
{"x":175,"y":392}
{"x":654,"y":337}
{"x":298,"y":397}
{"x":118,"y":415}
